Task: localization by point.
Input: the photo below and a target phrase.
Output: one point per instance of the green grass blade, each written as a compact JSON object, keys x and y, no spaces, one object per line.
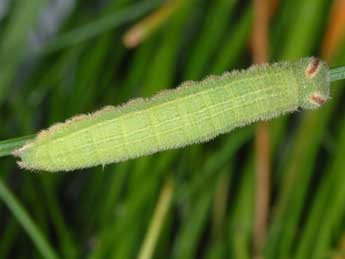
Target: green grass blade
{"x":157,"y":221}
{"x":235,"y":43}
{"x":210,"y":37}
{"x":101,"y":25}
{"x":334,"y":209}
{"x":25,"y":220}
{"x":14,"y":40}
{"x":185,"y":246}
{"x":9,"y":145}
{"x":8,"y":238}
{"x":337,"y":73}
{"x":301,"y":36}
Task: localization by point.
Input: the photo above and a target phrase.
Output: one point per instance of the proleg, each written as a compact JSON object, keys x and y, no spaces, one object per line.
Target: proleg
{"x":192,"y":113}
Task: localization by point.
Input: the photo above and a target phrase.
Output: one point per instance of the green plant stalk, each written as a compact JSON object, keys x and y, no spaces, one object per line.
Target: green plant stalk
{"x":65,"y":237}
{"x":206,"y":45}
{"x":8,"y":237}
{"x":334,"y":207}
{"x":203,"y":181}
{"x":7,"y":146}
{"x":14,"y":40}
{"x":302,"y":32}
{"x":234,"y":44}
{"x":157,"y":221}
{"x":337,"y":73}
{"x":25,"y":220}
{"x":137,"y":70}
{"x":189,"y":234}
{"x":240,"y":219}
{"x":102,"y":25}
{"x":214,"y":163}
{"x":138,"y":203}
{"x":218,"y":249}
{"x":93,"y":64}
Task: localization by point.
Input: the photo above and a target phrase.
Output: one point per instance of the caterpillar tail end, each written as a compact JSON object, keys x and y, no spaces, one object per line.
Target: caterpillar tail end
{"x":17,"y":152}
{"x":20,"y":153}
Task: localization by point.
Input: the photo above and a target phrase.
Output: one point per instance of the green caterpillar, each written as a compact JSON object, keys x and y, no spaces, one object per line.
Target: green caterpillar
{"x":194,"y":112}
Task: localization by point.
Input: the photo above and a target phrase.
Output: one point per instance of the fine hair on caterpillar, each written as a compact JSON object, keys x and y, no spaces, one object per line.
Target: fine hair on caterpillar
{"x":192,"y":113}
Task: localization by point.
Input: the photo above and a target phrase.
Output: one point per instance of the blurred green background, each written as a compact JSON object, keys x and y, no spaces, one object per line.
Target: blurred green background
{"x":59,"y":58}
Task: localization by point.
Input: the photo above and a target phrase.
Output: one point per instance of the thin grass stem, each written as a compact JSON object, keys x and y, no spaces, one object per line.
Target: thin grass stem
{"x":337,"y":73}
{"x":150,"y":23}
{"x":163,"y":205}
{"x":25,"y":220}
{"x":9,"y":145}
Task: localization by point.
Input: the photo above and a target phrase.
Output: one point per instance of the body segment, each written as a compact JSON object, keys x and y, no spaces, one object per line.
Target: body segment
{"x":193,"y":113}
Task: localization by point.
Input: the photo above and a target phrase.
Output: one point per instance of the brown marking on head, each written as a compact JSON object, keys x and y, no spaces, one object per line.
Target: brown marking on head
{"x":313,"y":68}
{"x":318,"y":99}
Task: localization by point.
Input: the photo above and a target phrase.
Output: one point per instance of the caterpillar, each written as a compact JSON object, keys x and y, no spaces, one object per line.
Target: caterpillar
{"x":192,"y":113}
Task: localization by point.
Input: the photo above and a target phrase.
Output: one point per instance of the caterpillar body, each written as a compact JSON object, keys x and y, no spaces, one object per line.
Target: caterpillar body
{"x":192,"y":113}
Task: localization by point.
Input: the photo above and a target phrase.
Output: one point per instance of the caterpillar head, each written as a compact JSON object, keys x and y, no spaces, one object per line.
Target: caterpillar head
{"x":313,"y":82}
